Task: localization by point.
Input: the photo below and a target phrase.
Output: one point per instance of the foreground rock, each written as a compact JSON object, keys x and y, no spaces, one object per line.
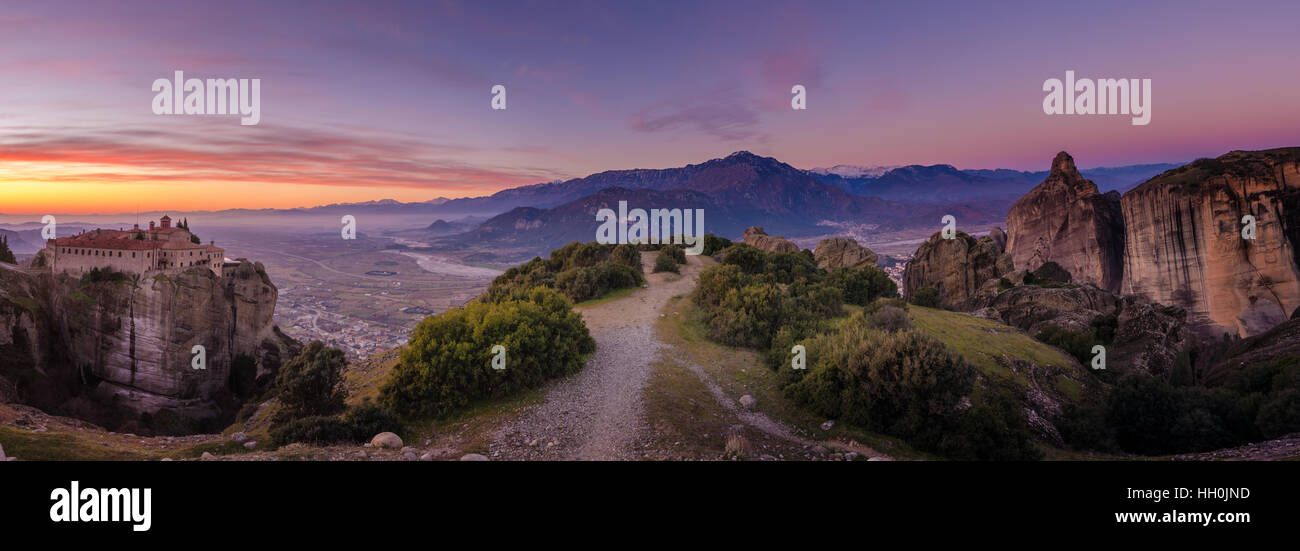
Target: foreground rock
{"x":842,"y":252}
{"x":1067,"y":220}
{"x":1184,"y":244}
{"x":755,"y":236}
{"x":386,"y":440}
{"x":473,"y":457}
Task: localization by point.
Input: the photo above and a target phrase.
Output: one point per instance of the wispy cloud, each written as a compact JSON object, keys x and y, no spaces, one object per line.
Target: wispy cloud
{"x":270,"y":154}
{"x":723,"y":114}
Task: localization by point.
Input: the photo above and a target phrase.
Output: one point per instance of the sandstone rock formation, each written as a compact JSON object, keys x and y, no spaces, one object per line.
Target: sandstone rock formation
{"x":1184,"y":243}
{"x":842,"y":252}
{"x":121,"y":352}
{"x":957,"y":268}
{"x":754,"y":235}
{"x":1065,"y":219}
{"x":999,"y":237}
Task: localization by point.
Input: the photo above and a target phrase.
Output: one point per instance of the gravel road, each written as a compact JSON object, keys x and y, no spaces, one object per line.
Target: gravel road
{"x":597,"y":414}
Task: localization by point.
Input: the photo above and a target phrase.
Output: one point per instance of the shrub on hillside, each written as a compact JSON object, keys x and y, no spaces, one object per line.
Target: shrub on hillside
{"x":714,"y":244}
{"x":446,"y":364}
{"x":862,"y":286}
{"x":665,"y":263}
{"x":626,"y":255}
{"x":926,"y":296}
{"x":675,"y":252}
{"x":893,"y":383}
{"x":588,"y":282}
{"x":309,"y":384}
{"x":890,"y":318}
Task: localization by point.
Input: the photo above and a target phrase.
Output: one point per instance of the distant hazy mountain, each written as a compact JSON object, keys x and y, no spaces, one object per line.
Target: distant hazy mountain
{"x":736,"y":191}
{"x":944,"y":183}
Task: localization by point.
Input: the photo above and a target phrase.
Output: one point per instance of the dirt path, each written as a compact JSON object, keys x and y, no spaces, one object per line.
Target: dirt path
{"x":597,"y":414}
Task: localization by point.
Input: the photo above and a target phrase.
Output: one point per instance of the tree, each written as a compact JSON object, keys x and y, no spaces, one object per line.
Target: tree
{"x":6,"y":255}
{"x":309,"y":384}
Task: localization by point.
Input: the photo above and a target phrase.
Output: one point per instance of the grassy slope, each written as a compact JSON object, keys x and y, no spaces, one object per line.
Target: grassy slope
{"x":989,"y":345}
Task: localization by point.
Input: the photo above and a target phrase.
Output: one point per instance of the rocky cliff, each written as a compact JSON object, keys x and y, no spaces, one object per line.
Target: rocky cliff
{"x":1184,"y":243}
{"x":1067,"y":220}
{"x":118,"y":350}
{"x":957,"y":268}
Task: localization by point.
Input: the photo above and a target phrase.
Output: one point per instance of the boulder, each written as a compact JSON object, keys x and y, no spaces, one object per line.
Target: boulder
{"x":386,"y":440}
{"x":747,"y":402}
{"x":473,"y":457}
{"x":754,"y":235}
{"x":250,"y":445}
{"x":239,"y":438}
{"x":842,"y":252}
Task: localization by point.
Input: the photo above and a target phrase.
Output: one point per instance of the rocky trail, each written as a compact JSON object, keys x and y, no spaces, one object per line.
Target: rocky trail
{"x":597,"y":414}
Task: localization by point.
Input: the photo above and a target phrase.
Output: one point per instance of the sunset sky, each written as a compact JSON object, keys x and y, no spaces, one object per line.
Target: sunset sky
{"x":365,"y":101}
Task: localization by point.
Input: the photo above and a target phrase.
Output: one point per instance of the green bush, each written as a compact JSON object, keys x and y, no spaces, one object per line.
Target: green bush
{"x":317,"y":429}
{"x":588,"y":282}
{"x":890,"y":318}
{"x":714,"y":244}
{"x":994,"y":430}
{"x":862,"y":286}
{"x":674,"y":252}
{"x":665,"y":263}
{"x":368,"y":419}
{"x":627,"y":255}
{"x":308,"y":385}
{"x":1280,"y":416}
{"x":926,"y":296}
{"x":6,"y":255}
{"x":446,"y":364}
{"x":358,"y":424}
{"x":893,"y":383}
{"x":1075,"y":343}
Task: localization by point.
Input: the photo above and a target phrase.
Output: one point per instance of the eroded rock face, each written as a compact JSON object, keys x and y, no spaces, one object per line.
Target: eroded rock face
{"x":957,"y":268}
{"x":1184,"y":243}
{"x":1066,"y":220}
{"x":754,"y":235}
{"x":1031,"y":308}
{"x":999,"y":237}
{"x":1148,"y":337}
{"x":114,"y":351}
{"x":842,"y":252}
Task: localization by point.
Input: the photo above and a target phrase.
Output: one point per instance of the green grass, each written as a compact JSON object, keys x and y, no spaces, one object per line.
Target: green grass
{"x":983,"y":342}
{"x":59,"y":446}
